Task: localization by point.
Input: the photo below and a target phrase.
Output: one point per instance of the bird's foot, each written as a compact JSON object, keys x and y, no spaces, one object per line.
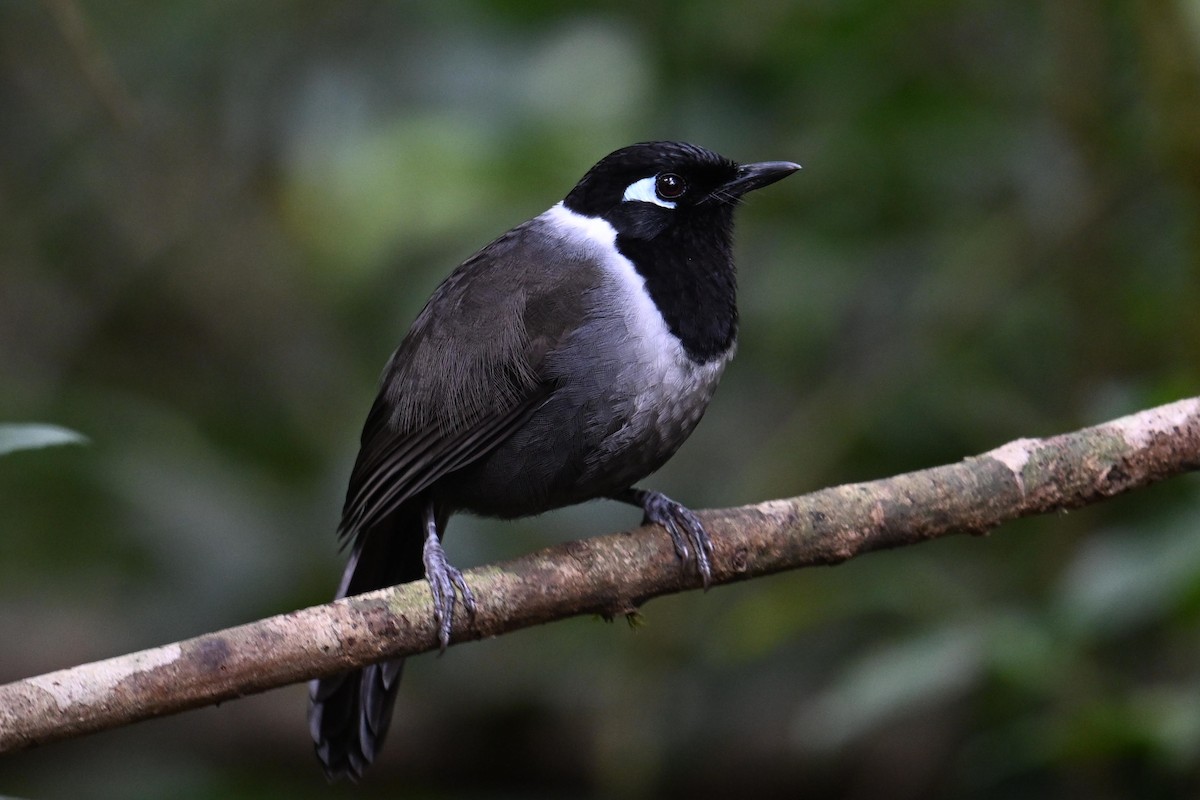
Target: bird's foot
{"x":692,"y":542}
{"x":444,"y":580}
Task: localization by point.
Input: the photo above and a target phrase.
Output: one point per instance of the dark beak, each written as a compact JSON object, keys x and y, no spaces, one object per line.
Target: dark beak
{"x":756,"y":176}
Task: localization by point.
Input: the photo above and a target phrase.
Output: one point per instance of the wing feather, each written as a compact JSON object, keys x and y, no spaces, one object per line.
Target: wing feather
{"x":401,"y":466}
{"x":471,"y":369}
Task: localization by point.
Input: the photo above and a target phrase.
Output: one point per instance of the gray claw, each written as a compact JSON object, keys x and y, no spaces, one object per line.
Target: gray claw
{"x":443,"y":581}
{"x":686,"y":530}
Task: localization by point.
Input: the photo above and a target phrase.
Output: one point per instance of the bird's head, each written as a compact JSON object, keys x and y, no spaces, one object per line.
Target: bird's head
{"x":647,"y":189}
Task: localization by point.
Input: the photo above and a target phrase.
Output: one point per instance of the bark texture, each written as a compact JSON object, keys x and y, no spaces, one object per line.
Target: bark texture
{"x":610,"y":575}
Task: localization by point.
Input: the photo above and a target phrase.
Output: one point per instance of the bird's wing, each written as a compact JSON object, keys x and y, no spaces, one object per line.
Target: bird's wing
{"x":470,"y":372}
{"x":393,"y":467}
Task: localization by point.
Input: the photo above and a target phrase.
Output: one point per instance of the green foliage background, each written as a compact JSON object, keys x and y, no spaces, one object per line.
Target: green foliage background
{"x":217,"y":219}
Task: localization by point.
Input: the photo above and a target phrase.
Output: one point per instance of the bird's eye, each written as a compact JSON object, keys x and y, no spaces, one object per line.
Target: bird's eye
{"x":669,"y":186}
{"x":661,"y":190}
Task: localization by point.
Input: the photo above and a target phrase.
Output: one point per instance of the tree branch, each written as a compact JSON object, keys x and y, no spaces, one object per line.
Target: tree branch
{"x":610,"y":575}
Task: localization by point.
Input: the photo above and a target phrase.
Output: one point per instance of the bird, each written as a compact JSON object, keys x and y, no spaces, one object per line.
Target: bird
{"x":563,"y":362}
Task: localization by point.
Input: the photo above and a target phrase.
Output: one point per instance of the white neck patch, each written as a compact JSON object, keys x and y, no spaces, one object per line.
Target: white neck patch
{"x":595,"y":230}
{"x":643,"y":191}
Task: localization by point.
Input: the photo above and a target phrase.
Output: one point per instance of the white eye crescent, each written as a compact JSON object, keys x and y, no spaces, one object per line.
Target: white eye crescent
{"x":644,"y":191}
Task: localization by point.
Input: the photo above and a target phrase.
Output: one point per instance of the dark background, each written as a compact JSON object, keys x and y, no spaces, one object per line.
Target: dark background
{"x":217,"y":219}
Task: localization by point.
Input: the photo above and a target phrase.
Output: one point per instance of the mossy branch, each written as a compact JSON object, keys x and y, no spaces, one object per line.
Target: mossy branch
{"x":610,"y":575}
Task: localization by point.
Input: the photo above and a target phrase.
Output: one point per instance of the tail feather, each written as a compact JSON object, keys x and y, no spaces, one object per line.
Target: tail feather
{"x":349,"y":713}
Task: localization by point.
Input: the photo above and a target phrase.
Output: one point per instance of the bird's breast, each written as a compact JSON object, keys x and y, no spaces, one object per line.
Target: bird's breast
{"x":663,"y":392}
{"x":626,"y":393}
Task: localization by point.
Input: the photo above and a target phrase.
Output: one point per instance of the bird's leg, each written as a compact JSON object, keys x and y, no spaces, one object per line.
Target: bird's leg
{"x":443,"y":579}
{"x":687,"y":532}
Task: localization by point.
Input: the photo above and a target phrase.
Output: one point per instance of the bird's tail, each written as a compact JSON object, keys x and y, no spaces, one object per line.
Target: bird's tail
{"x":349,"y":713}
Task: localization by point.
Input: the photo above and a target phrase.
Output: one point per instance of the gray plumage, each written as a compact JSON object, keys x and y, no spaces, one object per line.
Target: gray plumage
{"x":565,"y":361}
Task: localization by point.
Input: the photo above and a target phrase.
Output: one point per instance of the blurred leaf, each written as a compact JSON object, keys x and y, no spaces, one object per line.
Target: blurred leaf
{"x":890,"y":681}
{"x":30,"y":436}
{"x":1169,"y":716}
{"x":1119,"y":581}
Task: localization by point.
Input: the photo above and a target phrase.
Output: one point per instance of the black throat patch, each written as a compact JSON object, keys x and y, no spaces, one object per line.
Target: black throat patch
{"x":689,"y":273}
